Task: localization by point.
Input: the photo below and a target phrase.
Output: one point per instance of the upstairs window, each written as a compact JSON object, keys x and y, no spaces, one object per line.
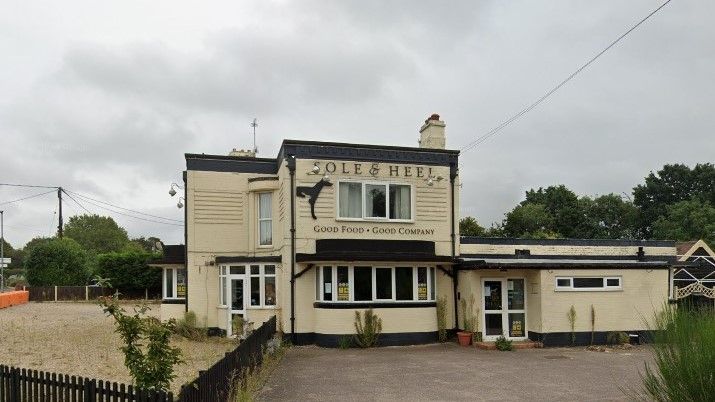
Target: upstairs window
{"x":374,"y":201}
{"x":265,"y":219}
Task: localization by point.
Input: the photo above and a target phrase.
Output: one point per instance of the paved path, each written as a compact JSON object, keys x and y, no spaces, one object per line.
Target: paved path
{"x":449,"y":372}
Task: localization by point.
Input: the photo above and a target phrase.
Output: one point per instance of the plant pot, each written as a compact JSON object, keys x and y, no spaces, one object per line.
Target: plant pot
{"x":465,"y":338}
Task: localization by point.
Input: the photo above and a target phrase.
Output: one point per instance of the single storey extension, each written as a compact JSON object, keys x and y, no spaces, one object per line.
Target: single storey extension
{"x":326,"y":229}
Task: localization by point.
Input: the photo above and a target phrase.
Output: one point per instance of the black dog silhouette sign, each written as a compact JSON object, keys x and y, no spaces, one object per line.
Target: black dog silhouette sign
{"x":312,"y":193}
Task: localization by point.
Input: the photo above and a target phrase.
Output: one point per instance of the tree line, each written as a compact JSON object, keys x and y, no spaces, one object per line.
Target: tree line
{"x":93,"y":249}
{"x":675,"y":203}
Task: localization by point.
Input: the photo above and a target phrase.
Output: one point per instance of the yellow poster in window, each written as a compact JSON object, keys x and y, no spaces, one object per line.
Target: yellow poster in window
{"x":516,"y":329}
{"x":343,"y":292}
{"x":422,"y":291}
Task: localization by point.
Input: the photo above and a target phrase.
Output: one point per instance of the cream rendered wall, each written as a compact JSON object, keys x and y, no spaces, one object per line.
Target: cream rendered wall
{"x":394,"y":320}
{"x":644,"y":293}
{"x":169,"y":311}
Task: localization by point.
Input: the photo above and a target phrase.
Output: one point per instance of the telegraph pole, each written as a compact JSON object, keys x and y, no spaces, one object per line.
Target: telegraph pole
{"x":59,"y":200}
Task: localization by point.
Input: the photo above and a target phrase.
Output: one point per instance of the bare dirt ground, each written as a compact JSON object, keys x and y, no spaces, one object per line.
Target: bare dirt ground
{"x":78,"y":339}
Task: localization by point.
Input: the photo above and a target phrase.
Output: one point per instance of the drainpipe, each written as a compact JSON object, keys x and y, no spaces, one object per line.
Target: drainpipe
{"x":455,"y":272}
{"x":186,"y":243}
{"x":291,"y":169}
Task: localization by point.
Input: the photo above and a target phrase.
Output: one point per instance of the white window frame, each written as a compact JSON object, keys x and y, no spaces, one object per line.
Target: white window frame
{"x":259,"y":219}
{"x":604,"y":288}
{"x":175,"y":271}
{"x":224,"y":272}
{"x":364,"y":217}
{"x":431,"y":270}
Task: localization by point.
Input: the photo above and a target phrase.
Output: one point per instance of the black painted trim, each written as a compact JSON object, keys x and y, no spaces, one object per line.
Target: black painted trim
{"x":248,"y":259}
{"x":565,"y":242}
{"x":475,"y":265}
{"x":375,"y":256}
{"x":216,"y":163}
{"x":268,"y":178}
{"x":352,"y":305}
{"x":584,"y":338}
{"x":173,"y":301}
{"x":571,"y":257}
{"x":383,"y":246}
{"x":389,"y":339}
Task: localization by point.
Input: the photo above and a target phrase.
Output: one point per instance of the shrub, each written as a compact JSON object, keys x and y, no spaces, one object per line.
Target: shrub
{"x":469,"y":318}
{"x":503,"y":344}
{"x":572,"y":321}
{"x":147,"y":353}
{"x":617,"y":338}
{"x":684,"y":356}
{"x":442,"y":319}
{"x":57,"y":262}
{"x":367,"y":331}
{"x":129,"y":270}
{"x":593,"y":323}
{"x":187,"y":327}
{"x":345,"y":342}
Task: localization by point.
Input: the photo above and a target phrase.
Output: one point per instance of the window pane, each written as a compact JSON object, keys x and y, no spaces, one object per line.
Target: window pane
{"x":266,"y":232}
{"x":264,"y":205}
{"x":255,"y":269}
{"x":328,"y":283}
{"x":255,"y":291}
{"x":516,"y":325}
{"x":400,"y":203}
{"x":383,"y":283}
{"x":270,"y":269}
{"x":169,"y":285}
{"x":515,"y":294}
{"x":422,"y":283}
{"x":350,"y":196}
{"x":587,"y":282}
{"x":375,"y":201}
{"x":563,"y":282}
{"x":180,"y":283}
{"x":492,"y":296}
{"x":363,"y":283}
{"x":613,"y":282}
{"x":433,"y":284}
{"x":270,"y":290}
{"x":222,"y":291}
{"x":238,"y":270}
{"x":343,"y":284}
{"x":403,"y":283}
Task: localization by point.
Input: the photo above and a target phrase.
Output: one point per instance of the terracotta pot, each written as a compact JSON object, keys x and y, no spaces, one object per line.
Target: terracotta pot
{"x":465,"y":338}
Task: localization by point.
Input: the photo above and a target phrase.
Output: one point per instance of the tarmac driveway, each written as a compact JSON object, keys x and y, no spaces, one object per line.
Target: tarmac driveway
{"x":450,"y":372}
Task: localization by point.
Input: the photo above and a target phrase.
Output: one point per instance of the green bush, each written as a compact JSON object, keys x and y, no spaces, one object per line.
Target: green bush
{"x":129,"y":270}
{"x":345,"y":342}
{"x":187,"y":327}
{"x":367,"y":331}
{"x":57,"y":262}
{"x":617,"y":338}
{"x":503,"y":344}
{"x":684,"y":356}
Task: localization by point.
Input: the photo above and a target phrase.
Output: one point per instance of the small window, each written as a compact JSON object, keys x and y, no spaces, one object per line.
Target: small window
{"x":580,"y":283}
{"x":375,"y":201}
{"x":238,"y":270}
{"x":265,"y":220}
{"x":400,"y":201}
{"x":404,"y":283}
{"x":328,"y":283}
{"x":563,"y":282}
{"x":174,"y":283}
{"x":613,"y":282}
{"x":593,"y":284}
{"x":350,"y":200}
{"x":433,"y":285}
{"x":169,"y":284}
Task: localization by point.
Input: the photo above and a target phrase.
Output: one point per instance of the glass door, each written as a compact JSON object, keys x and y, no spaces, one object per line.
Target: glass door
{"x":237,"y":302}
{"x":504,"y":307}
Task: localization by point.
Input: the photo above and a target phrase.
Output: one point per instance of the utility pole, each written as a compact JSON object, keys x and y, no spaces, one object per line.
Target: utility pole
{"x":2,"y":251}
{"x":254,"y":124}
{"x":59,"y":200}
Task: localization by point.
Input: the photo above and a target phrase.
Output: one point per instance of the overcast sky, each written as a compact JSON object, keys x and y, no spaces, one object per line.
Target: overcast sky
{"x":105,"y":97}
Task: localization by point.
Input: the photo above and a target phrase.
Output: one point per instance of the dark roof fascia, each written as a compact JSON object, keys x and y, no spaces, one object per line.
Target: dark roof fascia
{"x":511,"y":241}
{"x":367,"y":257}
{"x":481,"y":264}
{"x":234,"y":164}
{"x":368,"y":153}
{"x":571,"y":257}
{"x":248,"y":259}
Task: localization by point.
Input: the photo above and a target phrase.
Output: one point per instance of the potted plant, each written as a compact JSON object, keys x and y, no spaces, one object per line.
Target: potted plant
{"x":465,"y":335}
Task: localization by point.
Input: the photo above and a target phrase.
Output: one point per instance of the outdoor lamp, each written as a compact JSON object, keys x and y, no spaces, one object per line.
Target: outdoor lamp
{"x":180,"y":204}
{"x":172,"y":191}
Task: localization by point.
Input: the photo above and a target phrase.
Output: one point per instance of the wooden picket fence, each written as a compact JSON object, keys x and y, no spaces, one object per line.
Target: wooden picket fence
{"x":214,"y":384}
{"x":79,"y":293}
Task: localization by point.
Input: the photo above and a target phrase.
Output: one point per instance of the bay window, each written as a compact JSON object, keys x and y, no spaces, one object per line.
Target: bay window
{"x":374,"y":201}
{"x":375,"y":284}
{"x":257,"y":280}
{"x":174,"y":283}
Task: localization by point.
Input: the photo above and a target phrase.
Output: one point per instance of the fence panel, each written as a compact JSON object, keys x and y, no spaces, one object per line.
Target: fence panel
{"x":41,"y":293}
{"x":71,"y":293}
{"x":215,"y":383}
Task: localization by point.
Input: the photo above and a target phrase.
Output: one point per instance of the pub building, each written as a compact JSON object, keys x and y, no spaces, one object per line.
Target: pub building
{"x":326,"y":229}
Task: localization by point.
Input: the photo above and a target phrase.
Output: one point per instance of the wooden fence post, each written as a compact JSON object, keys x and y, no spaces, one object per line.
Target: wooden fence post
{"x":90,"y":390}
{"x":86,"y":293}
{"x":15,"y":385}
{"x":55,"y":293}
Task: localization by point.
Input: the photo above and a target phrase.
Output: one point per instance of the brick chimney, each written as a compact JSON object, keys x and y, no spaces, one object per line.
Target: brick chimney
{"x":248,"y":153}
{"x":432,"y":133}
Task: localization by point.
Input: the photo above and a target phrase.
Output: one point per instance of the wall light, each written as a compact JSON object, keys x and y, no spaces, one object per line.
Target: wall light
{"x":180,"y":204}
{"x":172,"y":190}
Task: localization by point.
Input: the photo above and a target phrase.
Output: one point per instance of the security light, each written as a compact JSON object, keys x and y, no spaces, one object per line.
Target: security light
{"x":180,"y":204}
{"x":172,"y":190}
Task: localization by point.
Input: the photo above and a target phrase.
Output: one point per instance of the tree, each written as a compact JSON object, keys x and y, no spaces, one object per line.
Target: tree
{"x":97,"y":234}
{"x":57,"y":262}
{"x":529,"y":220}
{"x":469,"y":226}
{"x":672,"y":184}
{"x":607,"y":217}
{"x":150,"y":245}
{"x":129,"y":270}
{"x":563,"y":206}
{"x":687,"y":220}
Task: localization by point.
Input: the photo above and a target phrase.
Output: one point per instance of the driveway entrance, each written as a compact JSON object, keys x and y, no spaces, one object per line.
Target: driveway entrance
{"x":449,"y":372}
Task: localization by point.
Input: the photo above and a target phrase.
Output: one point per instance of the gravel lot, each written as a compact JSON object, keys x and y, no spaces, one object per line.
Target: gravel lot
{"x":447,"y":372}
{"x":78,"y":339}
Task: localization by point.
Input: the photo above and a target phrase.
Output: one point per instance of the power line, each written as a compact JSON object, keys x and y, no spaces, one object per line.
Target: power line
{"x":27,"y":198}
{"x":127,"y":215}
{"x":84,"y":197}
{"x":527,"y":109}
{"x":26,"y":185}
{"x":76,"y":202}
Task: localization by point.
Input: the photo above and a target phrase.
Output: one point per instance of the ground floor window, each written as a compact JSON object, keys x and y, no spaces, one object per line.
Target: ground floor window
{"x":362,"y":283}
{"x":174,"y":283}
{"x":590,"y":283}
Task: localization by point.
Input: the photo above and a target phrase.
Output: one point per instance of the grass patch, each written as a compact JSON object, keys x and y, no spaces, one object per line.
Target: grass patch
{"x":249,"y":383}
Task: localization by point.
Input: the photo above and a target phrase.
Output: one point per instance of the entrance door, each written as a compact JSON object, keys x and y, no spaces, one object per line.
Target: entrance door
{"x":237,"y":300}
{"x":504,"y":306}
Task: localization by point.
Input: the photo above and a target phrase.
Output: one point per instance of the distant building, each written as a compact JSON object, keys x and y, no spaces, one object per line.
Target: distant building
{"x":326,"y":229}
{"x":693,"y":279}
